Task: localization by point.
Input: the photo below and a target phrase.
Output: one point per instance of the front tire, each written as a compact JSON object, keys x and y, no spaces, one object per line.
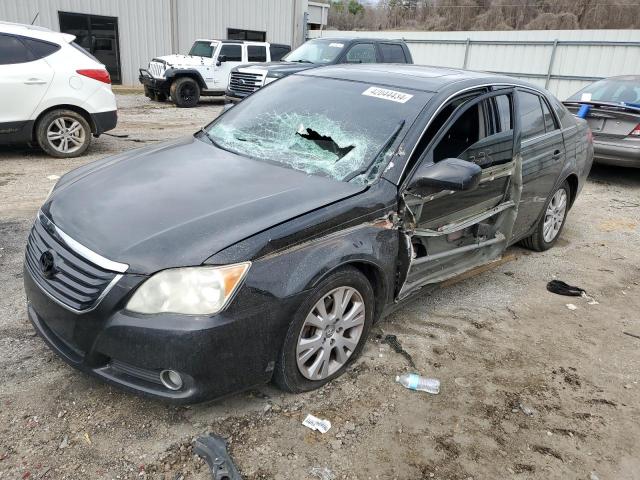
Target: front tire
{"x":328,"y":332}
{"x":63,"y":133}
{"x":550,"y":225}
{"x":185,"y":92}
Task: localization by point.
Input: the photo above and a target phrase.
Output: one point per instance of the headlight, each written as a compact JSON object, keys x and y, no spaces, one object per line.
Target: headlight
{"x":268,"y":80}
{"x":192,"y":290}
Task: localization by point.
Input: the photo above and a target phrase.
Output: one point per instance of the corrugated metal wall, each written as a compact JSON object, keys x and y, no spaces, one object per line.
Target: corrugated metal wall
{"x":145,"y":26}
{"x":210,"y":19}
{"x":527,"y":60}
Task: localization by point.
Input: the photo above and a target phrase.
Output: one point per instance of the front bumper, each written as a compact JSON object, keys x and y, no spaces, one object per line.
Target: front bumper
{"x":152,"y":83}
{"x":617,"y":153}
{"x":234,"y":97}
{"x":216,"y":356}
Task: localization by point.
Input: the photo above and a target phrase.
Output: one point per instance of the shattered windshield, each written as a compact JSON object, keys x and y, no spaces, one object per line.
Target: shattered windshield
{"x":316,"y":51}
{"x":339,"y":129}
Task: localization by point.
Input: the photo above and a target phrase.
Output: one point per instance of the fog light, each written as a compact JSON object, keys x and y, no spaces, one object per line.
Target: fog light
{"x":171,"y":379}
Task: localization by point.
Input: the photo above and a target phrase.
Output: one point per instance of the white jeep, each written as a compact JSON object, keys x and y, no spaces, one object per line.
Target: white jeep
{"x":204,"y":71}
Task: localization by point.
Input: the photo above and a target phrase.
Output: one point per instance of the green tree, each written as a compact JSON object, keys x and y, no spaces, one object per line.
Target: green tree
{"x":355,"y":7}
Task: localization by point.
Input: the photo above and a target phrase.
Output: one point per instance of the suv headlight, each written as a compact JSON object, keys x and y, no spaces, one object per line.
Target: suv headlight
{"x":191,"y":290}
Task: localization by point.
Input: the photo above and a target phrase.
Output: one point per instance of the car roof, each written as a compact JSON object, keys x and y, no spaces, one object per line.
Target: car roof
{"x":415,"y":77}
{"x":35,"y":31}
{"x":238,"y":42}
{"x":359,"y":39}
{"x":626,"y":78}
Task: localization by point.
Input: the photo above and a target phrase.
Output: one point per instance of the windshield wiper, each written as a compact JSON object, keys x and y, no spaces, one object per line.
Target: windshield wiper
{"x":381,"y":152}
{"x":301,"y":61}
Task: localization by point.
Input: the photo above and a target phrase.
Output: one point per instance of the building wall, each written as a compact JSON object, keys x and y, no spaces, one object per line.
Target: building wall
{"x":210,"y":19}
{"x":529,"y":62}
{"x":147,"y":29}
{"x":143,"y":25}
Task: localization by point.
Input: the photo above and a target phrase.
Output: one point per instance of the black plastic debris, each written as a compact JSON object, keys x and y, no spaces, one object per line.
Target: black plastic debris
{"x":214,"y":450}
{"x":393,"y":342}
{"x":561,"y":288}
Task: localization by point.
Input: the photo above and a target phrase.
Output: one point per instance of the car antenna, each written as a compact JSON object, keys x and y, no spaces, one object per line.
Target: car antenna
{"x":35,"y":18}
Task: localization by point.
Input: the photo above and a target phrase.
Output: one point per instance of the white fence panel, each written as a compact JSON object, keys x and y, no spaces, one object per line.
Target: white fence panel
{"x":563,"y":61}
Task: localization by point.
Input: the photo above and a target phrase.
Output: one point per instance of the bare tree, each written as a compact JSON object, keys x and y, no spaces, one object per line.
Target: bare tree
{"x":441,"y":15}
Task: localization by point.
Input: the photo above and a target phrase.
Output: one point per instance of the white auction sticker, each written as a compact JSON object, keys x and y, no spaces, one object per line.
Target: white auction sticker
{"x":387,"y":94}
{"x":315,"y":423}
{"x":336,"y":45}
{"x":586,"y":97}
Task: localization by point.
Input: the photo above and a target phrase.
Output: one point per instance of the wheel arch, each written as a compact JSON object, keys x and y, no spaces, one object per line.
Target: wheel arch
{"x":573,"y":182}
{"x":373,"y":273}
{"x":173,"y":75}
{"x":64,"y":106}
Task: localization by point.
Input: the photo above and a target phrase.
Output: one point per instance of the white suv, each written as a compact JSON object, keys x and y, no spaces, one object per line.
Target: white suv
{"x":205,"y":70}
{"x":52,"y":92}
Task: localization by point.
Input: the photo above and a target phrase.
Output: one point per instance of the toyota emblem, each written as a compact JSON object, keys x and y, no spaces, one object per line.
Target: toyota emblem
{"x":47,"y":264}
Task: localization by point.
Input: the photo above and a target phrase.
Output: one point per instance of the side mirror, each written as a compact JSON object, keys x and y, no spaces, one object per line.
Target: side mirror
{"x":447,"y":174}
{"x":221,"y":58}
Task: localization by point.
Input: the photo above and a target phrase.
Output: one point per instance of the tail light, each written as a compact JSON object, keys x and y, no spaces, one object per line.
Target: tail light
{"x":98,"y":74}
{"x":636,"y":131}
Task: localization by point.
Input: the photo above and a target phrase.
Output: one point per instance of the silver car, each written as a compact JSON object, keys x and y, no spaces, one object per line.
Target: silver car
{"x":612,"y":109}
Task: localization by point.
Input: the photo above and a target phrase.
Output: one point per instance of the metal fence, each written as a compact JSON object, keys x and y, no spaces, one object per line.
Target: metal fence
{"x":561,"y":61}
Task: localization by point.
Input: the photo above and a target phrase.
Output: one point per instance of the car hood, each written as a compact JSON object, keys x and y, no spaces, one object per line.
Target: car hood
{"x":284,"y":68}
{"x":177,"y":60}
{"x":178,"y":203}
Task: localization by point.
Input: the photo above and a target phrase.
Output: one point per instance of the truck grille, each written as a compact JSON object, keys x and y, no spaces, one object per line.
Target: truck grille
{"x":76,"y":283}
{"x":245,"y":82}
{"x":156,"y":68}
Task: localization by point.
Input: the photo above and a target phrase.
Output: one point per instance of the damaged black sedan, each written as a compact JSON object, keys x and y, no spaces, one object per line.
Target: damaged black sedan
{"x":266,"y":245}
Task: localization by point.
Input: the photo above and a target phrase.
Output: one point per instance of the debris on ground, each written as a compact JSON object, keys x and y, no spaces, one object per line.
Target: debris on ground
{"x":590,"y":300}
{"x":213,"y":449}
{"x":323,"y":473}
{"x":413,"y":381}
{"x":315,"y":423}
{"x":632,"y":335}
{"x":393,"y":342}
{"x":561,"y":288}
{"x":528,"y":411}
{"x":571,"y":306}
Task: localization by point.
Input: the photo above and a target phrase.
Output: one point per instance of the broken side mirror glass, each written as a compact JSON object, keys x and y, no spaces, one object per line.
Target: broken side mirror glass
{"x":448,"y":174}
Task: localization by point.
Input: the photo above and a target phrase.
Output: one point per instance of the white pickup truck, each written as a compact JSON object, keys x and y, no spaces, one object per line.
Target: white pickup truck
{"x":204,"y":71}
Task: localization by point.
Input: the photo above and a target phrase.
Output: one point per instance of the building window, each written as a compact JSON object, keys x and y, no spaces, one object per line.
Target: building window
{"x":251,"y":35}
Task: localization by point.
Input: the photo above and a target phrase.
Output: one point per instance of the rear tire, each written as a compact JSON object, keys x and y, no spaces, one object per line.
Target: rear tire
{"x":316,"y":351}
{"x":551,"y":223}
{"x":63,"y":133}
{"x":185,"y":92}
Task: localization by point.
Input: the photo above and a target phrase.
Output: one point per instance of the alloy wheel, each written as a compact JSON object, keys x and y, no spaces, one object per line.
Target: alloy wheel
{"x":330,"y":333}
{"x":187,"y":92}
{"x":66,"y":135}
{"x":554,"y":216}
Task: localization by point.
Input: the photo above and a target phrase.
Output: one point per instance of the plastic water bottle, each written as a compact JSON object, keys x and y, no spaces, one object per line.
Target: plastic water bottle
{"x":413,"y":381}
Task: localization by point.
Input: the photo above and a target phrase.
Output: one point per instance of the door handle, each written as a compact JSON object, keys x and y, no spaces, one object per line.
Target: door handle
{"x":556,"y":155}
{"x":35,"y":81}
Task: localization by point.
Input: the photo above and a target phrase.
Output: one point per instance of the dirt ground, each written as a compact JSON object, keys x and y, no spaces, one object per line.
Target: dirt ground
{"x":530,"y":388}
